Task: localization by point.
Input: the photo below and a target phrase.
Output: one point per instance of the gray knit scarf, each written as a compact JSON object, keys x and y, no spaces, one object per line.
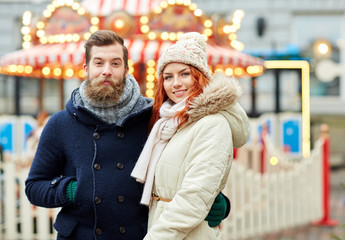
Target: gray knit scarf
{"x":115,"y":112}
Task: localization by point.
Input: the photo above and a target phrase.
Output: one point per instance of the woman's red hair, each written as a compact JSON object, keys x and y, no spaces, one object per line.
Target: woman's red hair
{"x":200,"y":81}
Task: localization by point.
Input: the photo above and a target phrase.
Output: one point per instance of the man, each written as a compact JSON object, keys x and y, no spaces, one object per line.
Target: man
{"x":87,"y":152}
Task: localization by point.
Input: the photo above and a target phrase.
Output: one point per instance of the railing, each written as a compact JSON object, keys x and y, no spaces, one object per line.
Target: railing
{"x":18,"y":218}
{"x":287,"y":194}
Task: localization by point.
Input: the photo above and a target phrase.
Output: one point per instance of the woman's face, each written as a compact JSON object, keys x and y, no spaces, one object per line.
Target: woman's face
{"x":177,"y":81}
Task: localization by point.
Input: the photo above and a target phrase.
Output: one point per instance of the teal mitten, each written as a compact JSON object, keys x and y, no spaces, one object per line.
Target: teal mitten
{"x":217,"y":212}
{"x":70,"y":190}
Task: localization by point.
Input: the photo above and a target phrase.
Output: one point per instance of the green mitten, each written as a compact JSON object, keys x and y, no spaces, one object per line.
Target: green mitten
{"x":70,"y":190}
{"x":217,"y":212}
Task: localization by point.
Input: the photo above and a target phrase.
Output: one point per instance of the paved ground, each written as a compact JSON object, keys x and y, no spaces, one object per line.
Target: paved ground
{"x":311,"y":232}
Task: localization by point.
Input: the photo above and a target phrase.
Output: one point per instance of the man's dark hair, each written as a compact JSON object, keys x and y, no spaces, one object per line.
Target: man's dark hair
{"x":104,"y":38}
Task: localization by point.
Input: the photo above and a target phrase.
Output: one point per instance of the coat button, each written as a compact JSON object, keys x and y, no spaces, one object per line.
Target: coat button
{"x":96,"y":135}
{"x":53,"y":181}
{"x":97,"y":166}
{"x":75,"y":116}
{"x":98,"y":231}
{"x":120,"y":199}
{"x":119,"y":165}
{"x":121,"y":134}
{"x":122,"y":230}
{"x":98,"y":200}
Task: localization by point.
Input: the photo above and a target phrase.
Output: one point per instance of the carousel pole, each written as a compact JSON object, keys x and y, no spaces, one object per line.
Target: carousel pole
{"x":17,"y":95}
{"x":62,"y":93}
{"x":277,"y":109}
{"x":41,"y":94}
{"x":253,"y":112}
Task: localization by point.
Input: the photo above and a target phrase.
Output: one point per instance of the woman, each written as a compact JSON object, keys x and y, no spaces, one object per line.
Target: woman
{"x":186,"y":161}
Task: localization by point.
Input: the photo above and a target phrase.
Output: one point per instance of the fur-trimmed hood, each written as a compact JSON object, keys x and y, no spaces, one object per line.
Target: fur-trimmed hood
{"x":221,"y":96}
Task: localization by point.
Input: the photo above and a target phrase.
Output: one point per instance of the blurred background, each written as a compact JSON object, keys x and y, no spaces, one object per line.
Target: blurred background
{"x":288,"y":56}
{"x":268,"y":29}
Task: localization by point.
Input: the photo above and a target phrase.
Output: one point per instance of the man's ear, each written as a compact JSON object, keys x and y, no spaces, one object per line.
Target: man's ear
{"x":85,"y":69}
{"x":127,"y":69}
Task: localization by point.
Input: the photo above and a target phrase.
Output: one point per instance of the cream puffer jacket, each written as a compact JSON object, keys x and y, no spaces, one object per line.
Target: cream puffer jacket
{"x":195,"y":164}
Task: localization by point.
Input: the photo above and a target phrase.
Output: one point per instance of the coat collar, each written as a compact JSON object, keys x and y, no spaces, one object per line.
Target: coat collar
{"x":221,"y":96}
{"x":221,"y":93}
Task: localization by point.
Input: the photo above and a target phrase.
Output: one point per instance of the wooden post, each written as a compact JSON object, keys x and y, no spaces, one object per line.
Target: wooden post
{"x":326,"y":219}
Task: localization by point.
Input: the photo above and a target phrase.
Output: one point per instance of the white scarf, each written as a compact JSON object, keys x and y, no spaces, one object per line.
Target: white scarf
{"x":162,"y":131}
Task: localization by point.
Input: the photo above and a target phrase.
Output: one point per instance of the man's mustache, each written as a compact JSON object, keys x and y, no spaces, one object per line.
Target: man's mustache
{"x":98,"y":81}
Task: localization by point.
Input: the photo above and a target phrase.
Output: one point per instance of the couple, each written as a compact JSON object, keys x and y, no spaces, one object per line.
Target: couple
{"x":87,"y":158}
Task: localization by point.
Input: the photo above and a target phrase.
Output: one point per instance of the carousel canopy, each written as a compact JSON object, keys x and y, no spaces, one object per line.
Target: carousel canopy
{"x":56,"y":40}
{"x":138,"y":50}
{"x":105,"y":7}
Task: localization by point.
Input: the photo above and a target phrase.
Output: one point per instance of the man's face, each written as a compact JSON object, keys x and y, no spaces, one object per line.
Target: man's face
{"x":105,"y":73}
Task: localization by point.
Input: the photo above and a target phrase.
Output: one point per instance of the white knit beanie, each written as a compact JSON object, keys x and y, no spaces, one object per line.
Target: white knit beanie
{"x":189,"y":49}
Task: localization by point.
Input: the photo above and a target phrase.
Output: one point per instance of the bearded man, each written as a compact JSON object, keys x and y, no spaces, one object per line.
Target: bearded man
{"x":87,"y":151}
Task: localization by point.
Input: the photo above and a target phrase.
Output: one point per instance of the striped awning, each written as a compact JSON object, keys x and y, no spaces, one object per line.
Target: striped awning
{"x":105,"y":7}
{"x":142,"y":51}
{"x":36,"y":56}
{"x":138,"y":51}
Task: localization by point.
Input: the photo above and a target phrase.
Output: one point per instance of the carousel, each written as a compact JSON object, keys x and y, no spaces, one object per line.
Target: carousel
{"x":53,"y":44}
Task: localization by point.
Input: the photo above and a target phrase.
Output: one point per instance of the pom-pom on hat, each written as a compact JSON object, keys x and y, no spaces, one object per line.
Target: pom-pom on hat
{"x":189,"y":49}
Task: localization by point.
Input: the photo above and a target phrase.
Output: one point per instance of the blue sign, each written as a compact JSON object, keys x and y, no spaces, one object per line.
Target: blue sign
{"x":6,"y":137}
{"x":292,"y":136}
{"x":28,"y":128}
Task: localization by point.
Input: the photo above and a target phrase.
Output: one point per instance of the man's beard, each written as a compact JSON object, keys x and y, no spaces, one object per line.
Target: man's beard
{"x":104,"y":94}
